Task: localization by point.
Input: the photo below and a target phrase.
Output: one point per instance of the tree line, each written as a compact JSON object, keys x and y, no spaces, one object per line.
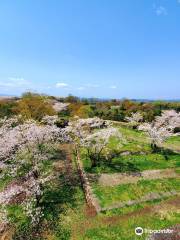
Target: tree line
{"x":36,"y":106}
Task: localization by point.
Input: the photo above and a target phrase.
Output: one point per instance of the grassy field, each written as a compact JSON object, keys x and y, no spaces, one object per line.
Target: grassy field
{"x":123,"y":193}
{"x":135,"y":162}
{"x":119,"y":223}
{"x":135,"y":136}
{"x":139,"y":154}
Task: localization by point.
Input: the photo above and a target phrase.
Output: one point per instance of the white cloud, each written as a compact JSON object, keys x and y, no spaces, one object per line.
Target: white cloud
{"x":62,"y":85}
{"x":160,"y":10}
{"x":14,"y":82}
{"x":18,"y":80}
{"x":81,"y":88}
{"x":113,"y":87}
{"x":92,"y":85}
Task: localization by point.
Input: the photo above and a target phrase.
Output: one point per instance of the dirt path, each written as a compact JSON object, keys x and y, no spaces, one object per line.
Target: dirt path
{"x":64,"y":165}
{"x":67,"y":152}
{"x":123,"y":178}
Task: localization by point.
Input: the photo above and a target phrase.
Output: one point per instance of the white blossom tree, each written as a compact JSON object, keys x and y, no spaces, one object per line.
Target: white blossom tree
{"x":26,"y":146}
{"x":157,"y":135}
{"x":162,"y":127}
{"x":135,"y":119}
{"x":96,"y":143}
{"x":59,"y":106}
{"x":78,"y":129}
{"x":91,"y":134}
{"x":169,"y":119}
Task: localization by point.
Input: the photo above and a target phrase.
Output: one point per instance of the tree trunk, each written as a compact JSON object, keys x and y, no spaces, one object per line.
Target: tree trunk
{"x":93,"y":162}
{"x":154,"y":147}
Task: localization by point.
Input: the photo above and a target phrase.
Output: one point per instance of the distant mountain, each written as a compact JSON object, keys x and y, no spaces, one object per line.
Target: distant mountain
{"x":5,"y":96}
{"x":155,"y":100}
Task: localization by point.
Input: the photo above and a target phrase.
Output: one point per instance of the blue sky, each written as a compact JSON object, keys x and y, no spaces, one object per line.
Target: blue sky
{"x":91,"y":48}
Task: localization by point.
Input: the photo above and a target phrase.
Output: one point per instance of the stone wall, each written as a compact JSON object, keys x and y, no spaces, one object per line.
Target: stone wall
{"x":91,"y":199}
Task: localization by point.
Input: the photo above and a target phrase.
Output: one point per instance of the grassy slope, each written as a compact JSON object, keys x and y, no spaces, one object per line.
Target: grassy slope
{"x":119,"y":224}
{"x":126,"y":192}
{"x":142,"y":158}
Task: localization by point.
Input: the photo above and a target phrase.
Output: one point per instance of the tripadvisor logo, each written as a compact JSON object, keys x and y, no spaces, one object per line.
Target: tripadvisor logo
{"x":138,"y":231}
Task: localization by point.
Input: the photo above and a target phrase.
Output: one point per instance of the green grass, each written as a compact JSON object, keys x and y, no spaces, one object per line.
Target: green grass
{"x":122,"y":193}
{"x":150,"y":161}
{"x":130,"y":209}
{"x":132,"y":140}
{"x":124,"y":230}
{"x":133,"y":163}
{"x":120,"y":223}
{"x":131,"y":145}
{"x":5,"y":181}
{"x":173,"y":143}
{"x":133,"y":134}
{"x":141,"y":138}
{"x":17,"y":215}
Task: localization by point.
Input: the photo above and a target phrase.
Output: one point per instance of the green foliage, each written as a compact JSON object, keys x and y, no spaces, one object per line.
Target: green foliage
{"x":7,"y":108}
{"x":71,"y":99}
{"x":34,"y":106}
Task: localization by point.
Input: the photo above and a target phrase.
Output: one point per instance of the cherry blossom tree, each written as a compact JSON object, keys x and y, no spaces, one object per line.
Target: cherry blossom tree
{"x":169,"y":119}
{"x":156,"y":134}
{"x":96,"y":143}
{"x":59,"y":106}
{"x":91,"y":134}
{"x":50,"y":120}
{"x":26,"y":147}
{"x":135,"y":119}
{"x":162,"y":127}
{"x":26,"y":134}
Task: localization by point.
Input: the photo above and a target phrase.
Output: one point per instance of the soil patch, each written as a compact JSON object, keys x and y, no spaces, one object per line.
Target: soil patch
{"x":124,"y":178}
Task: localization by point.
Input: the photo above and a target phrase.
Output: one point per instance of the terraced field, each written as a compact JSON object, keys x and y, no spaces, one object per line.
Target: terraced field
{"x":136,"y":188}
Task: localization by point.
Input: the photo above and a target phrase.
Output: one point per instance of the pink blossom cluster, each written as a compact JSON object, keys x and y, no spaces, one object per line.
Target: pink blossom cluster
{"x":59,"y":106}
{"x":8,"y":123}
{"x":49,"y":120}
{"x":7,"y":195}
{"x":135,"y":118}
{"x":101,"y":137}
{"x":80,"y":128}
{"x":26,"y":134}
{"x":162,"y":127}
{"x":20,"y":144}
{"x":97,"y":142}
{"x":91,"y":122}
{"x":169,"y":119}
{"x":156,"y":134}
